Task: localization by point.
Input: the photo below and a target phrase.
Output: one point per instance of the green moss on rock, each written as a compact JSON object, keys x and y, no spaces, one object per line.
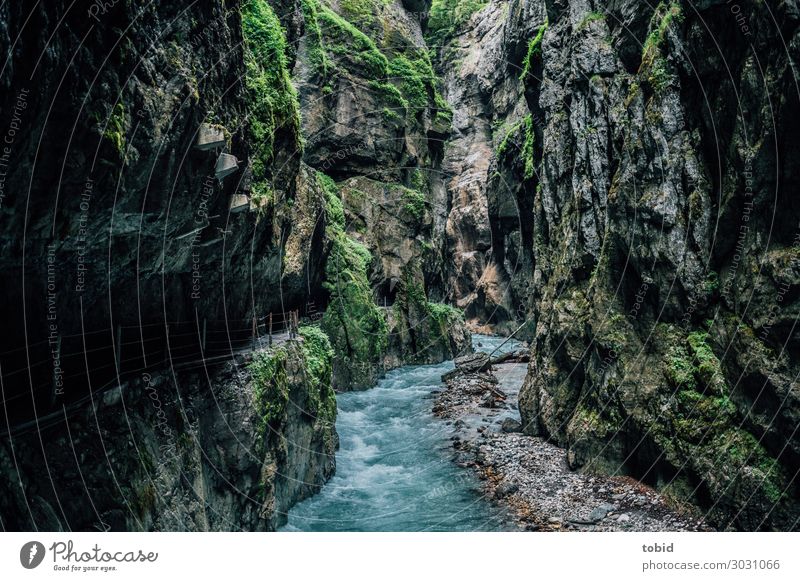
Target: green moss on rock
{"x":447,"y":17}
{"x":703,"y":431}
{"x":414,"y":203}
{"x":318,"y":362}
{"x":654,"y":64}
{"x":522,"y":136}
{"x":317,"y":56}
{"x":355,"y":325}
{"x":116,"y":128}
{"x":404,"y":80}
{"x":271,"y":386}
{"x":426,"y":325}
{"x":589,"y":18}
{"x":271,"y":98}
{"x":534,"y":52}
{"x":352,"y":45}
{"x":312,"y":358}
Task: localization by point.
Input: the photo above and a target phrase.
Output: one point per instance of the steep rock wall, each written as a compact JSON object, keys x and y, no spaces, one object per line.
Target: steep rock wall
{"x":210,"y":449}
{"x":619,"y":180}
{"x":489,"y":230}
{"x":665,"y":256}
{"x":122,"y":254}
{"x":374,"y":120}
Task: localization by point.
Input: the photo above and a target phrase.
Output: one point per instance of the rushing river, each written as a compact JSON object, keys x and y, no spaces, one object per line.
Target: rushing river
{"x":393,"y":469}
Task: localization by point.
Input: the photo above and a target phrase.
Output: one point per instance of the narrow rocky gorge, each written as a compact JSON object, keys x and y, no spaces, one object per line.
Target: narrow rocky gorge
{"x":215,"y":217}
{"x":182,"y":207}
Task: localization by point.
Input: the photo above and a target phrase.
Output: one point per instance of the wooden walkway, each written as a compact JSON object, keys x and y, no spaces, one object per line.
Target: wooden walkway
{"x":176,"y":346}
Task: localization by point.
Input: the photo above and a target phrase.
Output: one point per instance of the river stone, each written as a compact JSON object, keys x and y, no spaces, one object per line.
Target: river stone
{"x":505,"y":489}
{"x":510,"y":425}
{"x":601,"y":512}
{"x":473,"y":363}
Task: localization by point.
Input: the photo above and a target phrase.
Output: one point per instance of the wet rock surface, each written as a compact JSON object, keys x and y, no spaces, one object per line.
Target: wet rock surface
{"x":181,"y":450}
{"x":648,"y":237}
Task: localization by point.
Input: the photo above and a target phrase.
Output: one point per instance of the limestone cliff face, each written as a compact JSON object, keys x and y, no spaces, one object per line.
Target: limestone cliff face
{"x":665,"y":251}
{"x":112,"y":216}
{"x":180,"y":451}
{"x":374,"y":121}
{"x":128,"y":243}
{"x":488,"y":226}
{"x":621,"y":176}
{"x":165,"y":187}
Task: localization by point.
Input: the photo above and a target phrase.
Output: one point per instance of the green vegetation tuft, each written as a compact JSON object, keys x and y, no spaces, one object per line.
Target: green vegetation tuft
{"x":534,"y":51}
{"x":528,"y":152}
{"x":704,"y":428}
{"x":412,"y":86}
{"x":436,"y":320}
{"x":390,"y":95}
{"x":444,"y":114}
{"x":115,"y":129}
{"x":419,"y":180}
{"x":318,"y":356}
{"x":589,"y":419}
{"x":271,"y":383}
{"x":739,"y":450}
{"x":418,"y":84}
{"x":525,"y":130}
{"x":414,"y":203}
{"x":348,"y":42}
{"x":692,"y":365}
{"x":447,"y":17}
{"x":334,"y":209}
{"x":404,"y":83}
{"x":272,"y":100}
{"x":443,"y":316}
{"x":589,"y":18}
{"x":271,"y":386}
{"x":359,"y":12}
{"x":653,"y":61}
{"x":712,"y":283}
{"x":680,"y":370}
{"x":317,"y":56}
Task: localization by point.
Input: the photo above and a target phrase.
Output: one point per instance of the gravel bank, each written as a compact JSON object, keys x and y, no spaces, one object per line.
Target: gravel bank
{"x":530,"y":476}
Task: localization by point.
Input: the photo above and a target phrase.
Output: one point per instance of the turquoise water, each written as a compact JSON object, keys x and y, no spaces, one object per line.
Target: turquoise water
{"x":393,"y":469}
